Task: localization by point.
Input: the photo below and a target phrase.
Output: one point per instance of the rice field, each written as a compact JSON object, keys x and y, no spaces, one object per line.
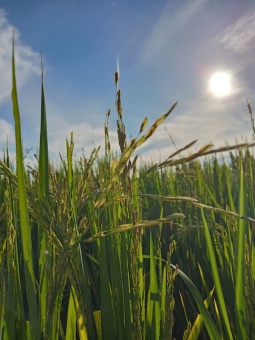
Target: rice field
{"x":101,"y":248}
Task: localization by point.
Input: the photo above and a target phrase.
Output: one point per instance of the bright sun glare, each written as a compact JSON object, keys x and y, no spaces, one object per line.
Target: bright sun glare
{"x":220,"y":84}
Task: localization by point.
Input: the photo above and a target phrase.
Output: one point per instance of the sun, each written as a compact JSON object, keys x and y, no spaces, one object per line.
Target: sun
{"x":220,"y":84}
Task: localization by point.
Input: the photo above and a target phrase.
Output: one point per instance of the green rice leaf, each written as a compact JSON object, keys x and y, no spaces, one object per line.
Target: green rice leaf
{"x":216,"y":277}
{"x":44,"y":196}
{"x":71,"y":317}
{"x":155,"y":309}
{"x":196,"y":328}
{"x":108,"y":322}
{"x":23,"y":210}
{"x":209,"y":323}
{"x":240,"y":272}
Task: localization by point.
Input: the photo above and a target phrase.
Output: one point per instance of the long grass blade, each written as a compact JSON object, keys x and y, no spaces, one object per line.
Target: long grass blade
{"x":240,"y":271}
{"x":108,"y":321}
{"x":71,"y":318}
{"x":196,"y":328}
{"x":154,"y":304}
{"x":209,"y":324}
{"x":44,"y":196}
{"x":216,"y":277}
{"x":23,"y":209}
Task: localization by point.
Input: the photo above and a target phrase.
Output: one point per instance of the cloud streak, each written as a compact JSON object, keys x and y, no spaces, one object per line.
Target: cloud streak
{"x":240,"y":36}
{"x":168,"y":25}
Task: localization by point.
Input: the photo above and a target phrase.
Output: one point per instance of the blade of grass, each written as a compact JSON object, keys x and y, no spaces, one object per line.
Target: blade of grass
{"x":44,"y":196}
{"x":209,"y":323}
{"x":71,"y":318}
{"x":126,"y":287}
{"x":108,"y":321}
{"x":13,"y":257}
{"x":98,"y":322}
{"x":196,"y":328}
{"x":155,"y":310}
{"x":240,"y":271}
{"x":216,"y":277}
{"x":23,"y":209}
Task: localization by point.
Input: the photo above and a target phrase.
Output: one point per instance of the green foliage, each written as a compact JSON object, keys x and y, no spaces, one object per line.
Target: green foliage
{"x":87,"y":249}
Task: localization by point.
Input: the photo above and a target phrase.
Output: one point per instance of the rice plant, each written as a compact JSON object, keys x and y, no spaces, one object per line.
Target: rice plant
{"x":101,"y":248}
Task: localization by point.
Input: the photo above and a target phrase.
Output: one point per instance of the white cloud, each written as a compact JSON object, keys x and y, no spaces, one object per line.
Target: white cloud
{"x":86,"y":137}
{"x":27,"y":61}
{"x":7,"y":132}
{"x":240,"y":36}
{"x":168,"y":25}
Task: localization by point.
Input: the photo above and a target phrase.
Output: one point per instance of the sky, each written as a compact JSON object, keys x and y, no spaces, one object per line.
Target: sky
{"x":165,"y":50}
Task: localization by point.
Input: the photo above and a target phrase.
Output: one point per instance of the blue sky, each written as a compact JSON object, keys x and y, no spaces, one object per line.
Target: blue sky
{"x":167,"y":50}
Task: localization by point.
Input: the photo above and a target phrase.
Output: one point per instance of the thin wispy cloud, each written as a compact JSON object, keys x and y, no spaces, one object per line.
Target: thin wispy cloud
{"x":168,"y":25}
{"x":240,"y":36}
